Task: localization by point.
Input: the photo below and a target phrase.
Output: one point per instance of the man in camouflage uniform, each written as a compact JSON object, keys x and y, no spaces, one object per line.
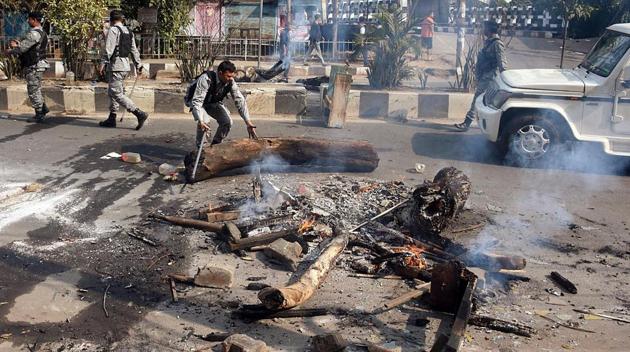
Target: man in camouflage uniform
{"x":32,"y":54}
{"x":119,"y":44}
{"x":490,"y":62}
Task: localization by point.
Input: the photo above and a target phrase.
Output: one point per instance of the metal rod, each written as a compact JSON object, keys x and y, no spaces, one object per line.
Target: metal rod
{"x":260,"y":32}
{"x":380,"y":215}
{"x":203,"y":140}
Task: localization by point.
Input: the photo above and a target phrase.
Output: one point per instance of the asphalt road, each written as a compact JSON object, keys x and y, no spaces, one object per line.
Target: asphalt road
{"x":532,"y":209}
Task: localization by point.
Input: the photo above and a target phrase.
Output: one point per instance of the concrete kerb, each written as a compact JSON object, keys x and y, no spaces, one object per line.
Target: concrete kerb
{"x":411,"y":105}
{"x":263,"y":101}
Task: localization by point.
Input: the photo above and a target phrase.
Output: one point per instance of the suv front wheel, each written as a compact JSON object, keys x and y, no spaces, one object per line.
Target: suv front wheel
{"x":530,"y":140}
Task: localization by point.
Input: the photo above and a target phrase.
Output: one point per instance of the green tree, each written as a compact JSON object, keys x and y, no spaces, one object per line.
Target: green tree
{"x":76,"y":21}
{"x":568,"y":10}
{"x":390,"y":43}
{"x":172,"y":17}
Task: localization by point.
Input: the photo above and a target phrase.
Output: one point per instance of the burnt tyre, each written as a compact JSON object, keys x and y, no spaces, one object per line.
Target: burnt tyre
{"x":531,"y":140}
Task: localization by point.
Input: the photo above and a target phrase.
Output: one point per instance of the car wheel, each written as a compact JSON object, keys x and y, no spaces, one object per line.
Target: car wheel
{"x":530,"y":141}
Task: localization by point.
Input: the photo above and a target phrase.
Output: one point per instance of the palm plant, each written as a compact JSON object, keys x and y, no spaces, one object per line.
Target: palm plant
{"x":389,"y":43}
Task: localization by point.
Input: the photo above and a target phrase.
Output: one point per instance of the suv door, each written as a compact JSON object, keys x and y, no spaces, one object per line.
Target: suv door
{"x":621,"y":102}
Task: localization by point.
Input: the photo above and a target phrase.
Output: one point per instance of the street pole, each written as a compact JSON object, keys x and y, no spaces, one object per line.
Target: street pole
{"x":335,"y":27}
{"x":260,"y":16}
{"x":461,"y":38}
{"x":289,"y":12}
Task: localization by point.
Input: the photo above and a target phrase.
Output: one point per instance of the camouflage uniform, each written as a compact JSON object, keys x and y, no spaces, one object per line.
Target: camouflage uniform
{"x":118,"y":67}
{"x":34,"y":73}
{"x":490,"y":62}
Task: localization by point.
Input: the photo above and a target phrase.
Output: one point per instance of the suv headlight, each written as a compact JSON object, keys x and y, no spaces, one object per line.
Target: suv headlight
{"x":499,"y":98}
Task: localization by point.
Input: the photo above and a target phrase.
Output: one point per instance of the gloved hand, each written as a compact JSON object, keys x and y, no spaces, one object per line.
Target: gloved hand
{"x":139,"y":68}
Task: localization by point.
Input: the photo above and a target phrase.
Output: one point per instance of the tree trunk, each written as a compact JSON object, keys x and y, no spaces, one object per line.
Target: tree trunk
{"x":565,"y":31}
{"x":299,"y":292}
{"x":340,"y":155}
{"x":435,"y":204}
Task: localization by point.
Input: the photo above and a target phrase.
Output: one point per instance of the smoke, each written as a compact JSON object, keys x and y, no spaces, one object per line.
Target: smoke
{"x":270,"y":192}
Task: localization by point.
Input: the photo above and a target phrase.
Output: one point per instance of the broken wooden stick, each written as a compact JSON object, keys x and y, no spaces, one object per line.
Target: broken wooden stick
{"x":171,"y":284}
{"x":469,"y":228}
{"x":563,"y":282}
{"x":223,"y":216}
{"x":346,"y":155}
{"x":260,"y":312}
{"x":455,"y":340}
{"x":502,"y":325}
{"x":143,"y":239}
{"x":104,"y":303}
{"x":260,"y":240}
{"x":299,"y":292}
{"x":419,"y":291}
{"x":564,"y":325}
{"x":197,"y":224}
{"x":602,"y":315}
{"x":495,"y":262}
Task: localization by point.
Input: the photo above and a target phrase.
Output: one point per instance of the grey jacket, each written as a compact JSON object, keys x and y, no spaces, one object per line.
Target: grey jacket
{"x":491,"y":59}
{"x":120,"y":64}
{"x":31,"y":38}
{"x":203,"y":85}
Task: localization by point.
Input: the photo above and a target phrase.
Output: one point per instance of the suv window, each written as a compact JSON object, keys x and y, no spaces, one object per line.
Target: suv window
{"x":606,"y":54}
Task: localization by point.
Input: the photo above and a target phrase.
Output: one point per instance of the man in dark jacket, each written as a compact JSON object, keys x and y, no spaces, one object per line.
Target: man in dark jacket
{"x":32,"y":53}
{"x":490,"y":62}
{"x":314,"y":37}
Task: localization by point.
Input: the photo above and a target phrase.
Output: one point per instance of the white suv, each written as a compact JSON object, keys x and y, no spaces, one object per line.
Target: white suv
{"x":530,"y":113}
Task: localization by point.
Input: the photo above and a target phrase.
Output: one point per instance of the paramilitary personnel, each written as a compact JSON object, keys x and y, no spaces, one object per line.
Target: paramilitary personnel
{"x":32,"y":54}
{"x":490,"y":62}
{"x":119,"y":44}
{"x":206,"y":98}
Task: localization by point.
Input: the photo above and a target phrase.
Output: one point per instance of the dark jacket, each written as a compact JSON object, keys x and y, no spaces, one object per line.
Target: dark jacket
{"x":315,"y":34}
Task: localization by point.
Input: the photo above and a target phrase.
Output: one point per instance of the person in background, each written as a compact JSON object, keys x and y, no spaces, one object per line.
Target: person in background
{"x":314,"y":38}
{"x":491,"y":61}
{"x":285,"y":52}
{"x":119,"y":44}
{"x":426,"y":35}
{"x":362,"y":34}
{"x":31,"y":51}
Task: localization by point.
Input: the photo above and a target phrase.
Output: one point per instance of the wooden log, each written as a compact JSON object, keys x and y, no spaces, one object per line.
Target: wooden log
{"x":436,"y":203}
{"x":182,"y":278}
{"x":502,"y":325}
{"x":260,"y":240}
{"x":407,"y":296}
{"x":496,"y":262}
{"x":342,"y":155}
{"x":197,"y":224}
{"x":299,"y":292}
{"x":260,"y":312}
{"x":223,"y":216}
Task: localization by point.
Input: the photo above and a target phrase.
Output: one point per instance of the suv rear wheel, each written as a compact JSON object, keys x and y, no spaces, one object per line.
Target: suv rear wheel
{"x":530,"y":140}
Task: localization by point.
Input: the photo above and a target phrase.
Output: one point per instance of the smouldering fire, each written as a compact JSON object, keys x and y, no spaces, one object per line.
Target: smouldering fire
{"x":306,"y":225}
{"x":415,"y":259}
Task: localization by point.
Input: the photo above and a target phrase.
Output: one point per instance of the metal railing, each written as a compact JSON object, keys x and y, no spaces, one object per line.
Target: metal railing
{"x":155,"y":47}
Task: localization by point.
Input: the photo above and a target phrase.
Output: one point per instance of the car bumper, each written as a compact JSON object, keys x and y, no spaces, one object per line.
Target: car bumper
{"x":488,"y":118}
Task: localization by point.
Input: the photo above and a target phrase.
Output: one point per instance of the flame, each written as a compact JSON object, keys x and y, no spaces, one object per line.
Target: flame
{"x":415,"y":259}
{"x":306,"y":225}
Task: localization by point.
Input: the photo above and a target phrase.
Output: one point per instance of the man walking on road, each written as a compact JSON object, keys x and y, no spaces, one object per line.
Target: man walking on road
{"x":490,"y":62}
{"x":119,"y":44}
{"x":314,"y":37}
{"x":285,"y":52}
{"x":207,"y":99}
{"x":32,"y":54}
{"x":426,"y":35}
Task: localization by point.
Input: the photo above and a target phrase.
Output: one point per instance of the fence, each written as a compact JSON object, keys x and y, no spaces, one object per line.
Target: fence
{"x":155,"y":47}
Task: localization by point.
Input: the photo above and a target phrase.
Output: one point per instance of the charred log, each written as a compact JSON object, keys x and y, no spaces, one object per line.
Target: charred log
{"x":339,"y":155}
{"x":435,"y":204}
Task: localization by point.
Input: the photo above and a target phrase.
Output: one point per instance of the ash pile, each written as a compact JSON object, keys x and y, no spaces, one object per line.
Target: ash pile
{"x":369,"y":228}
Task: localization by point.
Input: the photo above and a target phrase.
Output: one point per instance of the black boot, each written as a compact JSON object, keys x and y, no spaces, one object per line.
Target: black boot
{"x":45,"y":109}
{"x":110,"y":122}
{"x":141,"y":116}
